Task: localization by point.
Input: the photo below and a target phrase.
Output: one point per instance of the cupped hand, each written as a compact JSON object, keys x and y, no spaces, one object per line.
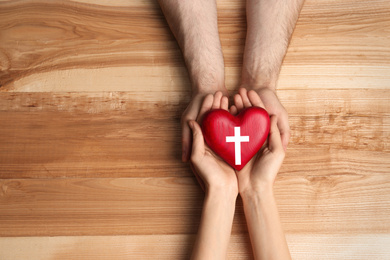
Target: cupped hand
{"x":273,"y":106}
{"x":191,"y":113}
{"x":212,"y":172}
{"x":261,"y":170}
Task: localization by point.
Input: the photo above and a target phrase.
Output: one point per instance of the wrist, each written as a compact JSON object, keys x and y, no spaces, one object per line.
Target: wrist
{"x":264,"y":92}
{"x":258,"y":86}
{"x":199,"y":88}
{"x":226,"y":194}
{"x":257,"y":80}
{"x":208,"y":82}
{"x":260,"y":191}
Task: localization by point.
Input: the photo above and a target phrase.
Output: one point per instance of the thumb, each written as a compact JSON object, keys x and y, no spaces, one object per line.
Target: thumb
{"x":197,"y":139}
{"x":275,"y":142}
{"x":285,"y":138}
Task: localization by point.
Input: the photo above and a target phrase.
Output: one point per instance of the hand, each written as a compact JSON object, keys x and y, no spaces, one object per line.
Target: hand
{"x":274,"y":107}
{"x":219,"y":181}
{"x":191,"y":113}
{"x":211,"y":170}
{"x":261,"y":171}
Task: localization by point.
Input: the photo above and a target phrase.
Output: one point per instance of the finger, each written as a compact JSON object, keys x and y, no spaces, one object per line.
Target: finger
{"x":206,"y":106}
{"x":255,"y":99}
{"x":225,"y":103}
{"x":244,"y":95}
{"x":197,"y":140}
{"x":217,"y":100}
{"x":285,"y":133}
{"x":186,"y":142}
{"x":284,"y":129}
{"x":274,"y":140}
{"x":238,"y":102}
{"x":285,"y":140}
{"x":233,"y":110}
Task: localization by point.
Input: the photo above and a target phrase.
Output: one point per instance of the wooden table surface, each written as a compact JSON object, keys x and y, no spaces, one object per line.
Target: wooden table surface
{"x":91,"y":95}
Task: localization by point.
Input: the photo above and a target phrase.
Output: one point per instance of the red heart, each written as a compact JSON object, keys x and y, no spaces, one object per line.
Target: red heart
{"x":232,"y":137}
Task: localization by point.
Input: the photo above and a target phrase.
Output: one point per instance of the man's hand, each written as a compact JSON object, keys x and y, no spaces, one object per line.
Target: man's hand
{"x":275,"y":108}
{"x":269,"y":28}
{"x":192,"y":113}
{"x":195,"y":27}
{"x":270,"y":102}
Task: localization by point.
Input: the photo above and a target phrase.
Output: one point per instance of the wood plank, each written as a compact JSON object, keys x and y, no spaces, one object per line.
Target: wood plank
{"x":115,"y":134}
{"x":175,"y":79}
{"x":334,"y":203}
{"x":335,"y":246}
{"x":304,"y":247}
{"x":97,"y":247}
{"x":115,"y":48}
{"x":90,"y":135}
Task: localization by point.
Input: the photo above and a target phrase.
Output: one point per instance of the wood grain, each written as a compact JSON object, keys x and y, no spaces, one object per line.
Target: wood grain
{"x":178,"y":247}
{"x":96,"y":134}
{"x":108,"y":46}
{"x":91,"y":95}
{"x":335,"y":203}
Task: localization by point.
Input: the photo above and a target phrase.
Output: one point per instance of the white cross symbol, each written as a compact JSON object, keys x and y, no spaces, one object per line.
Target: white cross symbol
{"x":237,"y":139}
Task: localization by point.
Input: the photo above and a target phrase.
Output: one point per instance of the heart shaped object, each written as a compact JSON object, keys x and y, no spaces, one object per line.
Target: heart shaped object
{"x":236,"y":139}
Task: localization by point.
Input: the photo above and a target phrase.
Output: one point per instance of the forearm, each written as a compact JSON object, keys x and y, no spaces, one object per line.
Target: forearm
{"x":215,"y":227}
{"x":265,"y":230}
{"x":194,"y":24}
{"x":270,"y":24}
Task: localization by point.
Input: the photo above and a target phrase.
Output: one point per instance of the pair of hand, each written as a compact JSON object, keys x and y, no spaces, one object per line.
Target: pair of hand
{"x":267,"y":96}
{"x":213,"y":172}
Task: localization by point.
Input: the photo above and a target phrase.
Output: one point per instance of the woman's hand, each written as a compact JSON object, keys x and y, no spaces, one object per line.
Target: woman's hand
{"x":219,"y":181}
{"x":212,"y":172}
{"x":261,"y":171}
{"x":255,"y":183}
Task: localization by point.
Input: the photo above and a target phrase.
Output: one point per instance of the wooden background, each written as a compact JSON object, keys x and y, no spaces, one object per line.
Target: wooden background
{"x":91,"y":94}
